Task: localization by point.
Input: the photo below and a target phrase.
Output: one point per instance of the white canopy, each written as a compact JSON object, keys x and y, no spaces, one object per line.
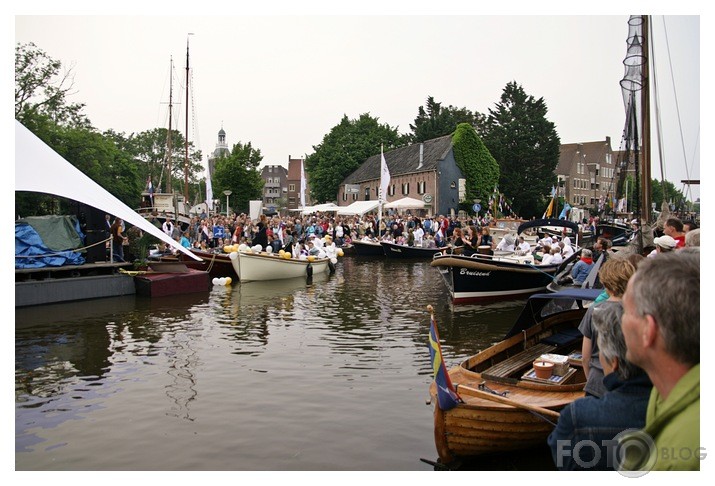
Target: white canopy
{"x":38,"y":168}
{"x":358,"y":208}
{"x":405,"y":203}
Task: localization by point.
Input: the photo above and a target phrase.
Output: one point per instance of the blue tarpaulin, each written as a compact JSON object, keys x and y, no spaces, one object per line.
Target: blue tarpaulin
{"x":31,"y":251}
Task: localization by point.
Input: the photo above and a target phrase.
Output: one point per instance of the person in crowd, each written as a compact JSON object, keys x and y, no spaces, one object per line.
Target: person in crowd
{"x":689,"y":226}
{"x":582,"y":268}
{"x":661,"y":327}
{"x":184,"y":240}
{"x":117,"y":240}
{"x":602,"y":248}
{"x":622,"y":406}
{"x":419,"y":234}
{"x":506,"y":243}
{"x":566,"y":248}
{"x":471,"y":241}
{"x":523,"y":247}
{"x":673,"y":227}
{"x":546,"y":255}
{"x":261,"y":236}
{"x":556,"y":258}
{"x":486,"y":239}
{"x":168,"y":227}
{"x":692,"y":238}
{"x":663,"y":244}
{"x":614,"y":275}
{"x":457,"y":239}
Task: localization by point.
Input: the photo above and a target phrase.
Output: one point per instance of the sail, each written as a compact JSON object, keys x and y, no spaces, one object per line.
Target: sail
{"x":38,"y":168}
{"x":384,"y":177}
{"x":302,"y":184}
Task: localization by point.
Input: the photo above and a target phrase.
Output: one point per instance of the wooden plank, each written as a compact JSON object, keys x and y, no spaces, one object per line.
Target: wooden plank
{"x":515,"y":363}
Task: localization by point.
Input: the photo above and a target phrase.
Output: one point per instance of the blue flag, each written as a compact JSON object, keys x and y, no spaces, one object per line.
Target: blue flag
{"x":447,"y":396}
{"x":565,"y":211}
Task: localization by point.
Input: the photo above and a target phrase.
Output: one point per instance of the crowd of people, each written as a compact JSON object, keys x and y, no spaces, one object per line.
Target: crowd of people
{"x":641,"y":358}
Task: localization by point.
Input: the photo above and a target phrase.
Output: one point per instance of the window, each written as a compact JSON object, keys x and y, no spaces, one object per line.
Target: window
{"x":391,"y":190}
{"x":291,"y":187}
{"x":421,"y":187}
{"x":405,"y":188}
{"x":345,"y":197}
{"x":367,"y":193}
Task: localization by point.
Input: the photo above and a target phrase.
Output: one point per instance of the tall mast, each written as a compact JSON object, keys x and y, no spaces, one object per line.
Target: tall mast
{"x":186,"y":142}
{"x":168,"y":136}
{"x":645,"y":100}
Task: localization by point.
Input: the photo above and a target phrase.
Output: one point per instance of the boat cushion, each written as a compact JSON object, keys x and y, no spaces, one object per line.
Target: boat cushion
{"x":563,"y":337}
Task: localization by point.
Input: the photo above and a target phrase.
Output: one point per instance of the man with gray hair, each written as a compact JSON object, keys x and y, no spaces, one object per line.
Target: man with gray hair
{"x":661,"y":327}
{"x":600,"y":420}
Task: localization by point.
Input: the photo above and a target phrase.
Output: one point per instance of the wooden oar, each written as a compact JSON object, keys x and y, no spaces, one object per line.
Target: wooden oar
{"x":467,"y":390}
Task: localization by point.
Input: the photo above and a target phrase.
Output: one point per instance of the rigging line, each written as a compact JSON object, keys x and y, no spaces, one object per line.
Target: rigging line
{"x":675,"y":95}
{"x":658,"y":122}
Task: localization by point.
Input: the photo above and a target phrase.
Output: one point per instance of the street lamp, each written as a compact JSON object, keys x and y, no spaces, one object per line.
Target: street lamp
{"x":227,"y":193}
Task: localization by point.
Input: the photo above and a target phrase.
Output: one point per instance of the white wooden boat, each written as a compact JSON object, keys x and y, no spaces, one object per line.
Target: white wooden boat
{"x":263,"y":266}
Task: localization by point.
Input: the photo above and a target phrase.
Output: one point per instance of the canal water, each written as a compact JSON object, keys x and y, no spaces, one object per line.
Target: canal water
{"x":331,"y":375}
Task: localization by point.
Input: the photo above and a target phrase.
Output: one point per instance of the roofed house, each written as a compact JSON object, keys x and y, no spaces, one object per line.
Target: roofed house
{"x":425,"y":171}
{"x":587,"y":173}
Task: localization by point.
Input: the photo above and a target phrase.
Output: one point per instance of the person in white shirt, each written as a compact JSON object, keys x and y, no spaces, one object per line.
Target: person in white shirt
{"x":566,"y":248}
{"x":168,"y":227}
{"x":506,"y":243}
{"x":546,"y":241}
{"x":419,"y":234}
{"x":556,"y":255}
{"x":524,"y":246}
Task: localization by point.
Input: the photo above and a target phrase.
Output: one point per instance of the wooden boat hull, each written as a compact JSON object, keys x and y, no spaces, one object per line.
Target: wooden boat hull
{"x":483,"y":425}
{"x":262,"y":266}
{"x":165,"y":284}
{"x":480,"y":279}
{"x":366,"y":248}
{"x":218,"y":265}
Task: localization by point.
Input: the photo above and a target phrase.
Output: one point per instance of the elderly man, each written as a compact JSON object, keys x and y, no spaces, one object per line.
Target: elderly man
{"x":661,"y":327}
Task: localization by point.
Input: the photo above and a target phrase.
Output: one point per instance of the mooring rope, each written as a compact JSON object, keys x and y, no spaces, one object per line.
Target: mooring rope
{"x":64,"y":251}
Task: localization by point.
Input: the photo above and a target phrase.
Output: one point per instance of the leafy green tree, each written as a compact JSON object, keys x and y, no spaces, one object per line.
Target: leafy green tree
{"x":435,"y":121}
{"x":342,"y":150}
{"x":238,"y":172}
{"x":526,"y":146}
{"x":476,"y":163}
{"x":666,"y":191}
{"x":42,"y":88}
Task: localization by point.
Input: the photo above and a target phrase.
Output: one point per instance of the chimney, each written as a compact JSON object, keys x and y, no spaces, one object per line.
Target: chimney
{"x":422,"y":151}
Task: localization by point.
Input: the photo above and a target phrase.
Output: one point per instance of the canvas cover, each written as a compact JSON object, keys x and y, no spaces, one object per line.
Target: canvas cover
{"x":47,"y":241}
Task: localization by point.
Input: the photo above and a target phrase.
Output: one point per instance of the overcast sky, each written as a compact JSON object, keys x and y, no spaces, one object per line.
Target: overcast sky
{"x":282,"y":82}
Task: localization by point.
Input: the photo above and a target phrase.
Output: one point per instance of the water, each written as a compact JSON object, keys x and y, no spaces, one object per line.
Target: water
{"x":261,"y":376}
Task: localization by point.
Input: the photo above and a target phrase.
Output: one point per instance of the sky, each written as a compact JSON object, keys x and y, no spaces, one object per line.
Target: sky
{"x":281,"y":78}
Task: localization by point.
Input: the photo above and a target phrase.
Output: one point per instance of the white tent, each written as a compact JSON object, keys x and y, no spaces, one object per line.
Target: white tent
{"x":38,"y":168}
{"x":319,"y":208}
{"x":405,"y":203}
{"x":358,"y":208}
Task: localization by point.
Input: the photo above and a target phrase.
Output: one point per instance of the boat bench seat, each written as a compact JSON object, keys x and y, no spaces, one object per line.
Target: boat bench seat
{"x":516,"y":363}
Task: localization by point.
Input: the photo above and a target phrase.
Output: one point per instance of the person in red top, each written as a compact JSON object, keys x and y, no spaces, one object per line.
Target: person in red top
{"x":674,"y":228}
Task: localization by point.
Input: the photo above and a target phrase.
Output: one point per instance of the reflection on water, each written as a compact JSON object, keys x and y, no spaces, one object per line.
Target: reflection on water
{"x":330,"y":374}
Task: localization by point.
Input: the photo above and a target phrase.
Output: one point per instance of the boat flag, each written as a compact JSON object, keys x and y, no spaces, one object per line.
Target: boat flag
{"x":447,"y":396}
{"x":384,"y":176}
{"x":565,"y":211}
{"x":302,"y":185}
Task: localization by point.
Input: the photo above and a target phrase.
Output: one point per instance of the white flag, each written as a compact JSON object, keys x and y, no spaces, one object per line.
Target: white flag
{"x":209,"y":191}
{"x":302,"y":185}
{"x":384,"y":177}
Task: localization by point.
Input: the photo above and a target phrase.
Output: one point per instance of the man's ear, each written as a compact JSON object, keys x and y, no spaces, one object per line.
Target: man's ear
{"x":650,"y":332}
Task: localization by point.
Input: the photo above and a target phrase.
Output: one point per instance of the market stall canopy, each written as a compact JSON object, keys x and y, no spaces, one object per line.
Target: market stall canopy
{"x":38,"y":168}
{"x":406,"y":203}
{"x":359,"y":208}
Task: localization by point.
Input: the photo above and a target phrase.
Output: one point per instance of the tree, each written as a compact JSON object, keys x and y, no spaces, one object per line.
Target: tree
{"x":342,"y":150}
{"x":666,"y":191}
{"x":238,"y":173}
{"x":476,"y":163}
{"x":435,"y":121}
{"x":526,"y":146}
{"x":42,"y":89}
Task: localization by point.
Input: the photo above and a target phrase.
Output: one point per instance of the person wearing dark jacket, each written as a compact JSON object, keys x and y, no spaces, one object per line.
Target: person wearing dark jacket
{"x":585,"y":432}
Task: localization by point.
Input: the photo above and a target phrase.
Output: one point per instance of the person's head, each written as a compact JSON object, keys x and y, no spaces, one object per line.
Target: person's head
{"x":586,"y":253}
{"x":689,"y":226}
{"x":614,"y":275}
{"x":555,"y":250}
{"x":636,"y":259}
{"x":662,"y":310}
{"x":664,"y":243}
{"x":612,"y":349}
{"x":692,"y":238}
{"x":673,"y":227}
{"x":485,"y":230}
{"x":603,"y":244}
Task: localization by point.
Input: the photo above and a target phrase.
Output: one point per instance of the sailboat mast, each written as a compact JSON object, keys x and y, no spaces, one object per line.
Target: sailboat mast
{"x":168,"y":135}
{"x":186,"y":141}
{"x":645,"y":100}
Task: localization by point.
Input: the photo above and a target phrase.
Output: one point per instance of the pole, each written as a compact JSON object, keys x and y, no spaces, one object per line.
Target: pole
{"x":186,"y":142}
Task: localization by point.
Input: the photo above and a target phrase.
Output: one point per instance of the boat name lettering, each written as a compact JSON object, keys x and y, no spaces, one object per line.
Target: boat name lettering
{"x":464,"y":271}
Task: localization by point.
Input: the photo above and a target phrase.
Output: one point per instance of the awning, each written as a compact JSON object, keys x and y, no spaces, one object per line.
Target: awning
{"x":358,"y":208}
{"x":406,"y":203}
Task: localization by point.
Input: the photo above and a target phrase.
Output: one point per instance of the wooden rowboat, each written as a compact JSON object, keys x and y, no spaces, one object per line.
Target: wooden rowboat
{"x":263,"y":266}
{"x":504,"y":406}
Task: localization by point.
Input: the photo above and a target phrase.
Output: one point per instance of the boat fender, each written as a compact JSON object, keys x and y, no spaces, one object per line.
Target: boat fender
{"x":309,"y":270}
{"x":331,"y":266}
